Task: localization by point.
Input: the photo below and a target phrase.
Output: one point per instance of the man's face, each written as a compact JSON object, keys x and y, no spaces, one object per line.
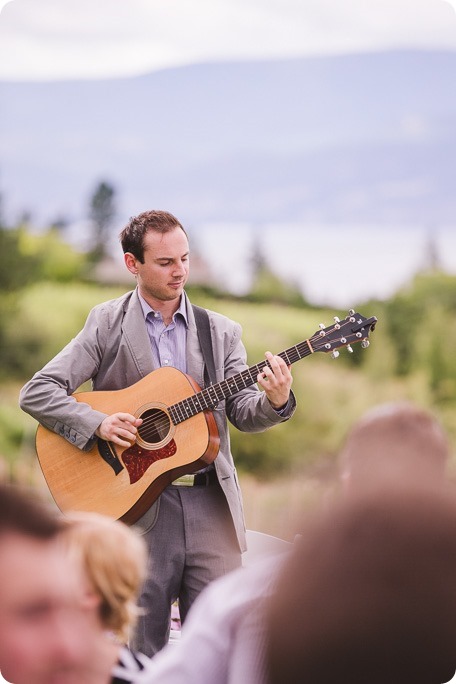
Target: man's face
{"x":163,"y":274}
{"x":43,"y":628}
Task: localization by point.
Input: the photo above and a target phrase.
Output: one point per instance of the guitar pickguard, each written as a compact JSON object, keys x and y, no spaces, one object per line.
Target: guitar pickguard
{"x":137,"y":459}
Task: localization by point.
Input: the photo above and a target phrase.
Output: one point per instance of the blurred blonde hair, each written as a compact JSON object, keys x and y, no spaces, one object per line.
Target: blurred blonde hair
{"x":114,"y":560}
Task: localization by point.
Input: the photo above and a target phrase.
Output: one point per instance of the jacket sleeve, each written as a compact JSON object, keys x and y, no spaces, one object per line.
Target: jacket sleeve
{"x":47,"y":396}
{"x":249,"y":410}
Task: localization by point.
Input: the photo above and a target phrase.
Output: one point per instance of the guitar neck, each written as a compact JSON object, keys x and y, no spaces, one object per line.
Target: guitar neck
{"x":354,"y":328}
{"x":212,"y":395}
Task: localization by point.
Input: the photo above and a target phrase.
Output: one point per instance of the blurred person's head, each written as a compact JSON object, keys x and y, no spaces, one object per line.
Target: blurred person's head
{"x":113,"y":560}
{"x":392,"y":441}
{"x":40,"y":617}
{"x":369,"y":592}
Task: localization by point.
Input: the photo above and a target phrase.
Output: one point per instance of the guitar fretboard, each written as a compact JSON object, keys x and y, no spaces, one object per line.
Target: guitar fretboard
{"x":212,"y":395}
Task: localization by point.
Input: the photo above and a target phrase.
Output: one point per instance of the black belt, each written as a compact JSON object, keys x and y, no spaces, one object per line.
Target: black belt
{"x":197,"y":479}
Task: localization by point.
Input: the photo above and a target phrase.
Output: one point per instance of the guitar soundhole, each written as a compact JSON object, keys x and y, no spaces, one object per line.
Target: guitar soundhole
{"x":155,"y":427}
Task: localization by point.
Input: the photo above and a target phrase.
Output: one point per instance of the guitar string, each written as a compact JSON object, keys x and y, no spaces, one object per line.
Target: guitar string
{"x":164,"y":423}
{"x":154,"y":424}
{"x":251,"y":373}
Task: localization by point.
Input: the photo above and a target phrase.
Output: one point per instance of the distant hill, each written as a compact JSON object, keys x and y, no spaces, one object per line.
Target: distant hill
{"x":362,"y":138}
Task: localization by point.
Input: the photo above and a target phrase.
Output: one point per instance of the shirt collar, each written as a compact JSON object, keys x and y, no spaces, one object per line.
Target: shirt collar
{"x":182,"y":310}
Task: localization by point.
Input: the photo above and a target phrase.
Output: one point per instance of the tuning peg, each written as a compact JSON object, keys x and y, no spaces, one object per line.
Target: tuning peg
{"x":334,"y":354}
{"x":321,"y":326}
{"x":365,"y":344}
{"x":349,"y":349}
{"x":336,"y":319}
{"x":351,"y":312}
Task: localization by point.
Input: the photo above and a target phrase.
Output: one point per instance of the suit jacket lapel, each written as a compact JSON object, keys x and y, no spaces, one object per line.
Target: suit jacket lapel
{"x":135,"y":334}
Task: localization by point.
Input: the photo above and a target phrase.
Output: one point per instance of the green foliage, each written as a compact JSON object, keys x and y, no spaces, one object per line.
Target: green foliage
{"x":54,"y":259}
{"x":11,"y":432}
{"x":16,"y":269}
{"x":25,"y":258}
{"x":270,"y":288}
{"x":421,"y":322}
{"x":434,"y":288}
{"x":102,"y":211}
{"x":48,"y":317}
{"x":17,"y":266}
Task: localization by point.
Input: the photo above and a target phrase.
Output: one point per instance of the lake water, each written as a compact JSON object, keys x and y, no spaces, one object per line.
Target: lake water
{"x":338,"y":265}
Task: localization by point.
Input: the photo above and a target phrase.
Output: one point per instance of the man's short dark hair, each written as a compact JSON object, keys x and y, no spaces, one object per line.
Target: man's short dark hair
{"x":132,"y":236}
{"x":22,"y":511}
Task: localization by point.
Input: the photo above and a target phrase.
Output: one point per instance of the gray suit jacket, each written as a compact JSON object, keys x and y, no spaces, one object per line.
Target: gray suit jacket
{"x":113,"y":349}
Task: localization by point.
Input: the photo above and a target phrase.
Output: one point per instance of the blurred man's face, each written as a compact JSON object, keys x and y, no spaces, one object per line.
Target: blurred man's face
{"x":42,"y":634}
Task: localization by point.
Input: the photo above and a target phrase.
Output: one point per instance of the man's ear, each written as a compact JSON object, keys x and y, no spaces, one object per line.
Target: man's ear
{"x":130,"y":262}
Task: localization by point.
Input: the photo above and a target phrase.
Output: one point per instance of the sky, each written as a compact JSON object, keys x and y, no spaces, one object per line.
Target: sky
{"x":42,"y":40}
{"x":78,"y":39}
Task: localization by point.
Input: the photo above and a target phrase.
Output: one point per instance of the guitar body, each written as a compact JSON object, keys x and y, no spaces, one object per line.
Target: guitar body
{"x":124,"y":482}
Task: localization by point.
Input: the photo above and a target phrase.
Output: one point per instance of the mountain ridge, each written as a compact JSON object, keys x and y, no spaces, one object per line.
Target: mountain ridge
{"x":358,"y":138}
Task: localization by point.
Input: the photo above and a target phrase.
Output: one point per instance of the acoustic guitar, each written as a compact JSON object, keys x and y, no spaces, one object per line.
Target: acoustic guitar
{"x":178,"y":434}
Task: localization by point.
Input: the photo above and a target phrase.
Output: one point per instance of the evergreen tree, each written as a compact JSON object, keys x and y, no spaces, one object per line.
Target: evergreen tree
{"x":102,"y":213}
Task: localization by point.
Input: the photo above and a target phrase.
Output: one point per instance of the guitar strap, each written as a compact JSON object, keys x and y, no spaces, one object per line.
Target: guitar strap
{"x":204,"y":336}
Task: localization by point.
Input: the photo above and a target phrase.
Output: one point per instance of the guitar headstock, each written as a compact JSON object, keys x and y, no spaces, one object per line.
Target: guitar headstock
{"x":343,"y":333}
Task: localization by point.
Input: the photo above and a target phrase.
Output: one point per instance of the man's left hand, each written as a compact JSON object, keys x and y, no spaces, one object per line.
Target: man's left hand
{"x":276,"y":381}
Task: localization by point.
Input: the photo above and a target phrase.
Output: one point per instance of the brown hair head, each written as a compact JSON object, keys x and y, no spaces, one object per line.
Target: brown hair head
{"x":132,"y":236}
{"x":369,"y":593}
{"x":393,"y":440}
{"x":23,"y":512}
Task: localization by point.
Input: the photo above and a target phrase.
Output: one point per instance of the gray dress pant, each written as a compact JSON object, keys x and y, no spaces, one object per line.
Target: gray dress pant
{"x":191,"y":542}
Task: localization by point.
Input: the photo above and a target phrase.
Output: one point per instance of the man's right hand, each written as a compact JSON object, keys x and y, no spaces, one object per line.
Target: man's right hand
{"x":120,"y":428}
